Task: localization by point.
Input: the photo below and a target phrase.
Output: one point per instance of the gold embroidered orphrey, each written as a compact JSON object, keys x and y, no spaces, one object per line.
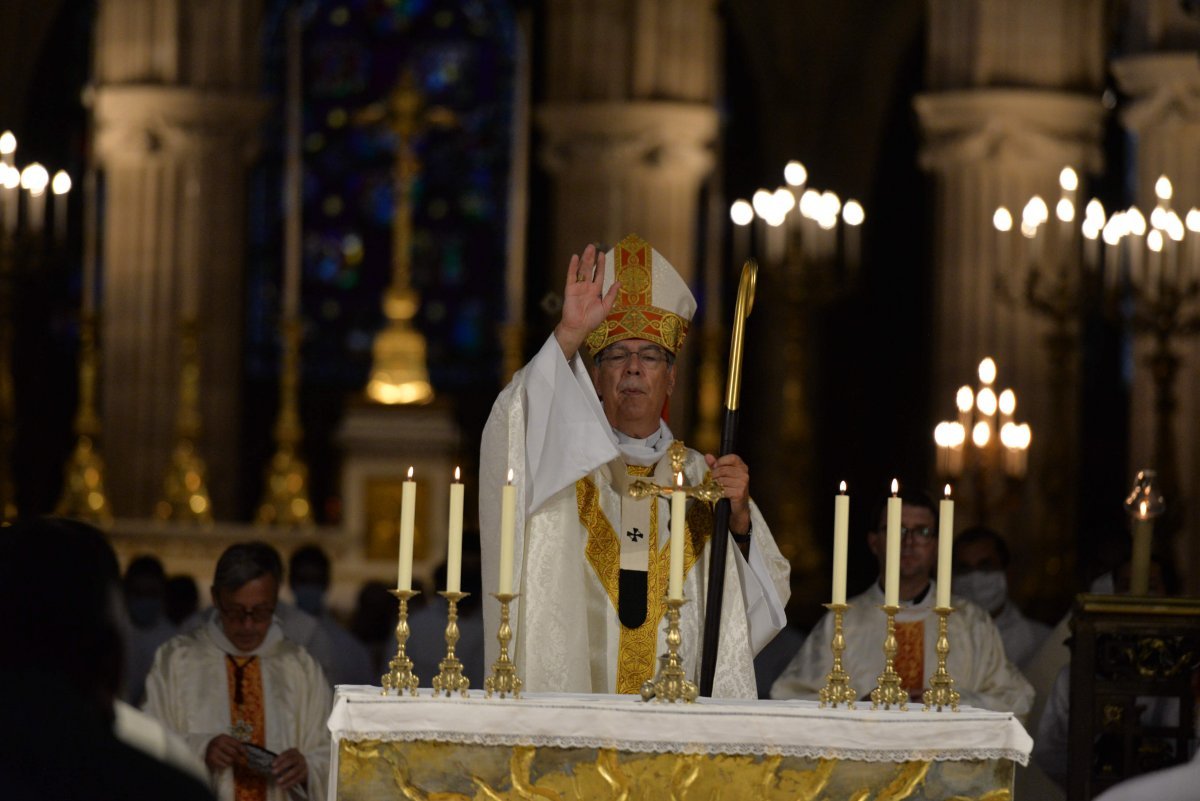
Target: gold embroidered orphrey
{"x":637,"y":649}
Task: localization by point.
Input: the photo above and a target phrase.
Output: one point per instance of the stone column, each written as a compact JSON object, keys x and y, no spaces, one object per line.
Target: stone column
{"x":176,"y":111}
{"x":628,"y":126}
{"x":1163,"y":119}
{"x":987,"y":146}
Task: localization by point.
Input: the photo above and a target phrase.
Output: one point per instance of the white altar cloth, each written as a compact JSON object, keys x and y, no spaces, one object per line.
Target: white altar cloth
{"x":710,"y":726}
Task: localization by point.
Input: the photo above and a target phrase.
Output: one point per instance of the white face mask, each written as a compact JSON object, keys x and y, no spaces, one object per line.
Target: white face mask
{"x":987,"y":588}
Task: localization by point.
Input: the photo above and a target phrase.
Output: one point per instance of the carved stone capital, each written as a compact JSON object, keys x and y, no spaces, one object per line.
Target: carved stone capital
{"x":672,"y":137}
{"x":1165,"y":88}
{"x":1012,"y":126}
{"x":140,"y":122}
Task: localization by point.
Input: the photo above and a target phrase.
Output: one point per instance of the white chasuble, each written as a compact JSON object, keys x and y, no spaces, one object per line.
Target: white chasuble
{"x":549,"y":428}
{"x":188,"y":690}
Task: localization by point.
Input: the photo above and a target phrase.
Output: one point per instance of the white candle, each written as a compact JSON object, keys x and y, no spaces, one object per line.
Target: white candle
{"x":61,"y":185}
{"x":10,"y":182}
{"x":678,"y":515}
{"x":293,"y":173}
{"x":945,"y":548}
{"x":1139,"y":568}
{"x":454,"y":536}
{"x":841,"y":524}
{"x":508,"y":516}
{"x":891,"y":573}
{"x":408,"y":497}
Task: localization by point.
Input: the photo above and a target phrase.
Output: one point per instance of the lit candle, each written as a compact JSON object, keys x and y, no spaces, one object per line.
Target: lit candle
{"x":508,"y":517}
{"x":1139,"y":568}
{"x":678,"y":514}
{"x":293,"y":173}
{"x":34,"y":179}
{"x":454,"y":536}
{"x":10,"y":182}
{"x":742,"y":215}
{"x":891,"y":574}
{"x":61,"y":185}
{"x":408,"y":497}
{"x":945,"y":548}
{"x":841,"y":523}
{"x":8,"y":146}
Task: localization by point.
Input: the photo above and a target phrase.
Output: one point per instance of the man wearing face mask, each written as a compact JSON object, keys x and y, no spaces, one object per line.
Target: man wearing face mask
{"x":981,"y":560}
{"x":144,"y":585}
{"x":308,"y":578}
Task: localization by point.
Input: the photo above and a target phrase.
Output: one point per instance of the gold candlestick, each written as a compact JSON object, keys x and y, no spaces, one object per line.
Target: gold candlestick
{"x":185,"y":488}
{"x":503,"y":680}
{"x":285,"y":498}
{"x":941,"y":690}
{"x":671,"y":684}
{"x":450,"y":678}
{"x":83,"y":494}
{"x":887,"y":689}
{"x":401,"y":676}
{"x":837,"y":687}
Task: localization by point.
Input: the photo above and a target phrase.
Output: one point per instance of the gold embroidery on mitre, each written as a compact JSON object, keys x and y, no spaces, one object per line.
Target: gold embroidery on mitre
{"x":634,"y":315}
{"x":637,"y":649}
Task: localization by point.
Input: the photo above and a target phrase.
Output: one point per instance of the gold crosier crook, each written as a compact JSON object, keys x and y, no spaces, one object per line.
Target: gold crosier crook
{"x":716,"y":564}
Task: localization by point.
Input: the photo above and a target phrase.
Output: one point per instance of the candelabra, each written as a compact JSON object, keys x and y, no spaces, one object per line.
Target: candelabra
{"x":809,"y":244}
{"x":995,"y":453}
{"x":1055,"y":264}
{"x":26,"y":246}
{"x":1161,"y":267}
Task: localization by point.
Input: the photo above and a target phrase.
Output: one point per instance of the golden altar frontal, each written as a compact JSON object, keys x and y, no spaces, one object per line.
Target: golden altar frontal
{"x":550,"y":746}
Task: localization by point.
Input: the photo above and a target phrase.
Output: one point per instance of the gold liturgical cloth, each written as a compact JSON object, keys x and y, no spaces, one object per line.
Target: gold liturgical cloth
{"x":600,"y":747}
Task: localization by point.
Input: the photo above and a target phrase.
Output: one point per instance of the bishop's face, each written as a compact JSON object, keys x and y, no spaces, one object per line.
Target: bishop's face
{"x":634,"y":380}
{"x":246,"y":612}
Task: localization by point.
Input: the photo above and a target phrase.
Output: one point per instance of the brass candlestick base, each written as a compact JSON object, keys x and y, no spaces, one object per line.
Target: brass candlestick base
{"x":671,"y":684}
{"x":401,"y":676}
{"x":837,"y":687}
{"x":503,"y":680}
{"x":185,"y":488}
{"x":941,"y":692}
{"x":450,"y":678}
{"x":888,"y":692}
{"x":285,"y":498}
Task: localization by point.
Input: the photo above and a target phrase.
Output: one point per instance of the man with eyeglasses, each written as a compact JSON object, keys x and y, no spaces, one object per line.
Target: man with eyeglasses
{"x":250,"y":702}
{"x":982,"y":673}
{"x":591,"y":562}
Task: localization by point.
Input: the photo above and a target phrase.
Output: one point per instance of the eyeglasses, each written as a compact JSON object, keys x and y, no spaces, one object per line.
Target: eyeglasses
{"x":922,"y":534}
{"x":650,"y":358}
{"x":237,"y":614}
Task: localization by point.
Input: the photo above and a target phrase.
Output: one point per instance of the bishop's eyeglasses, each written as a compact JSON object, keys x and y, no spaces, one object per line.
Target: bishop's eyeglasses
{"x":650,"y":358}
{"x":237,"y":614}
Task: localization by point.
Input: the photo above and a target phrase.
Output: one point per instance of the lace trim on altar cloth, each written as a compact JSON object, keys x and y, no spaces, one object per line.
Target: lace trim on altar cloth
{"x":660,"y":747}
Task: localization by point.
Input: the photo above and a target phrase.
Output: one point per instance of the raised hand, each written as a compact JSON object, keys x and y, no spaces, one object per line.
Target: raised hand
{"x":584,"y":307}
{"x":734,"y":477}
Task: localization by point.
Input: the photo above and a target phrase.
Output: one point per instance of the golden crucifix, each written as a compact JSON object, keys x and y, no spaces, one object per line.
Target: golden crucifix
{"x":398,"y":372}
{"x":709,"y":490}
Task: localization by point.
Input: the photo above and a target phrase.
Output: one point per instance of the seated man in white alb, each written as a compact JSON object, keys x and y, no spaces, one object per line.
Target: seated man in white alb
{"x":591,"y":563}
{"x":249,"y":702}
{"x":981,"y":671}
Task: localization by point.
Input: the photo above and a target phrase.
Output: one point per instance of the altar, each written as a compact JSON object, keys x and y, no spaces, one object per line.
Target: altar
{"x":554,"y":746}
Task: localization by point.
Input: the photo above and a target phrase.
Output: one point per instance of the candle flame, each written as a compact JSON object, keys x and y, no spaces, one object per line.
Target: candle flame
{"x":410,"y":471}
{"x":895,"y":486}
{"x":456,"y":473}
{"x":679,"y":479}
{"x":8,"y":143}
{"x":947,"y":490}
{"x":1143,"y":509}
{"x":510,"y":475}
{"x":61,"y":183}
{"x":843,"y":487}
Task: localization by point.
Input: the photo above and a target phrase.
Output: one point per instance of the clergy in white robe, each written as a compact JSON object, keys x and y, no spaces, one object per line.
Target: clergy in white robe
{"x":982,"y":673}
{"x":591,"y":564}
{"x":237,"y":685}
